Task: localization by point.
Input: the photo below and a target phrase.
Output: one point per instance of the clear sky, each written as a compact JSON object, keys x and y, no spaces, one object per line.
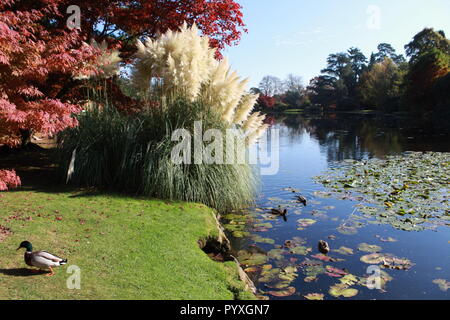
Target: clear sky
{"x":296,"y":36}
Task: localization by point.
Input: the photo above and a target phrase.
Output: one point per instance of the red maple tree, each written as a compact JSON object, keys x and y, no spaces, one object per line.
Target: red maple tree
{"x":266,"y":101}
{"x":39,"y":54}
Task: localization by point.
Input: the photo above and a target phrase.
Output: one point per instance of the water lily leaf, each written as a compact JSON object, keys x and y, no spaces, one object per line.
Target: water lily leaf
{"x":266,"y":225}
{"x":325,"y":258}
{"x":310,"y":279}
{"x":280,"y":285}
{"x":349,"y":280}
{"x":407,"y":191}
{"x":290,"y":269}
{"x":443,"y":284}
{"x":269,"y":275}
{"x":276,"y":254}
{"x":314,"y":296}
{"x":260,"y":239}
{"x":304,"y":223}
{"x":343,"y":290}
{"x":300,"y":250}
{"x":283,"y":293}
{"x":369,"y":248}
{"x":335,"y":272}
{"x":369,"y":281}
{"x":388,"y":261}
{"x":323,"y":194}
{"x":347,"y":230}
{"x":344,"y":251}
{"x":240,"y":234}
{"x":374,"y":258}
{"x":248,"y":258}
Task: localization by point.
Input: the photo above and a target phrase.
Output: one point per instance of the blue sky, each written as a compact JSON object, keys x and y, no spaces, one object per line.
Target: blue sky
{"x":296,"y":36}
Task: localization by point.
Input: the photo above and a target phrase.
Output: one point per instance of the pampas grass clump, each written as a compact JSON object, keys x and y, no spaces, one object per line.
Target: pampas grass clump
{"x":132,"y":154}
{"x":178,"y":82}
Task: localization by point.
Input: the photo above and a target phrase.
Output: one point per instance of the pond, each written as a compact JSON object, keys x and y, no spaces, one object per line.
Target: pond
{"x":368,"y":259}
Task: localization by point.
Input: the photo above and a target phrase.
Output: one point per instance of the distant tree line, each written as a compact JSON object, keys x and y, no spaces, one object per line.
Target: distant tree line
{"x":386,"y":82}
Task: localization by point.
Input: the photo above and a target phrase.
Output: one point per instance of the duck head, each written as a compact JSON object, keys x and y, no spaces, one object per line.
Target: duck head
{"x":27,"y":245}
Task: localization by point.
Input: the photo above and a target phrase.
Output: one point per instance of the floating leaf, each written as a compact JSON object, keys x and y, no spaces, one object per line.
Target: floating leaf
{"x":260,"y":239}
{"x":314,"y":296}
{"x":343,"y":290}
{"x":335,"y":272}
{"x":349,"y":280}
{"x":405,"y":191}
{"x":276,"y":254}
{"x":345,"y":251}
{"x":300,"y":250}
{"x":283,"y":293}
{"x":310,"y":279}
{"x":248,"y":258}
{"x":388,"y":261}
{"x":304,"y":223}
{"x":444,"y":285}
{"x":326,"y":258}
{"x":369,"y":248}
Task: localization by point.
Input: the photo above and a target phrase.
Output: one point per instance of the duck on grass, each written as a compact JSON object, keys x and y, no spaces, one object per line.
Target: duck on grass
{"x":41,"y":259}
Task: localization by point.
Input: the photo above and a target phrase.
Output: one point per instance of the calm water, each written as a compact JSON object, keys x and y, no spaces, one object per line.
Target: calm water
{"x":309,"y":146}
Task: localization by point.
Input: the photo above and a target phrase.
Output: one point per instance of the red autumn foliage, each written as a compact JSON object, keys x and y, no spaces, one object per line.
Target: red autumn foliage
{"x":266,"y":101}
{"x":39,"y":54}
{"x":30,"y":54}
{"x":221,"y":20}
{"x":8,"y":179}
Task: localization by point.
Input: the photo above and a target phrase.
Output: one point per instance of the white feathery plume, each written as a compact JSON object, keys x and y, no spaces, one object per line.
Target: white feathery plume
{"x":244,"y":108}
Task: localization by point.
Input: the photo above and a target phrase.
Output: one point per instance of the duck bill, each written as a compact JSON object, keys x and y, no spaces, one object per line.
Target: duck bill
{"x":18,"y":248}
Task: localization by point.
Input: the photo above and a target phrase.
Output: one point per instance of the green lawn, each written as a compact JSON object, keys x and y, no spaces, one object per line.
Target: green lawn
{"x":126,"y":248}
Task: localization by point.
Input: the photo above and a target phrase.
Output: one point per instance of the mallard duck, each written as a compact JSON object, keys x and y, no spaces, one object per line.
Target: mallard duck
{"x":280,"y":212}
{"x":324,"y":247}
{"x":301,"y":199}
{"x":41,"y":259}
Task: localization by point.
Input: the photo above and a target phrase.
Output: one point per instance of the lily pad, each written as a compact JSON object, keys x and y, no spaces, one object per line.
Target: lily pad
{"x":277,"y":254}
{"x":344,"y":251}
{"x":248,"y":258}
{"x":369,"y":248}
{"x":301,"y":250}
{"x":349,"y":280}
{"x":443,"y":284}
{"x":260,"y":239}
{"x":304,"y":223}
{"x":335,"y":272}
{"x":407,"y":191}
{"x":343,"y":290}
{"x":283,"y":293}
{"x":314,"y":296}
{"x":388,"y":261}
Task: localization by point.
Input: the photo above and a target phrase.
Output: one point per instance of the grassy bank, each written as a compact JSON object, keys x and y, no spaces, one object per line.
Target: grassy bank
{"x":126,"y":248}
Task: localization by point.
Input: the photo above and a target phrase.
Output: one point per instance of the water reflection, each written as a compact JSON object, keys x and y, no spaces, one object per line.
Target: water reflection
{"x":309,"y":145}
{"x":352,"y":136}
